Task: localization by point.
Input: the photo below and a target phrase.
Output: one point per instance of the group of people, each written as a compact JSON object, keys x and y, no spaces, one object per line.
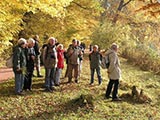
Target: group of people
{"x":26,"y":56}
{"x":53,"y":60}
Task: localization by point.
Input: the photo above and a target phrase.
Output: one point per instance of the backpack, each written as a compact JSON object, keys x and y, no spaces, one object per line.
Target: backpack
{"x":105,"y":62}
{"x":9,"y":62}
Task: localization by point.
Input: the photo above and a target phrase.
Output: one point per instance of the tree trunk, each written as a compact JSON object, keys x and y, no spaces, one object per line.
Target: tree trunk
{"x":120,"y":7}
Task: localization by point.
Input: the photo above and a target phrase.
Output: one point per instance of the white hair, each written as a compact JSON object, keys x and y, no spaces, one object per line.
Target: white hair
{"x":51,"y":38}
{"x":31,"y":40}
{"x":114,"y":46}
{"x":22,"y":41}
{"x":60,"y":45}
{"x":95,"y":46}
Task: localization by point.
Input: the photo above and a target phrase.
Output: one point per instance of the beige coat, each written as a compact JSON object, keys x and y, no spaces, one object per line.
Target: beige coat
{"x":114,"y":71}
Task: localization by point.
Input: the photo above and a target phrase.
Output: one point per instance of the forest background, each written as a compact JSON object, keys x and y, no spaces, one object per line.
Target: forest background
{"x":133,"y":24}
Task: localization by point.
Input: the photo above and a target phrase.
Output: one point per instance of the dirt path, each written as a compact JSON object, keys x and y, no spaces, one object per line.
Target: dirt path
{"x":5,"y":74}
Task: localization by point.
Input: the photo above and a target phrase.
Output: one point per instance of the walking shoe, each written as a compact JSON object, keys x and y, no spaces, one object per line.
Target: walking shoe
{"x":100,"y":83}
{"x":57,"y":85}
{"x":91,"y":84}
{"x":20,"y":93}
{"x":52,"y":88}
{"x":76,"y":81}
{"x":39,"y":75}
{"x":69,"y":80}
{"x":48,"y":90}
{"x":116,"y":99}
{"x":107,"y":97}
{"x":30,"y":90}
{"x":34,"y":75}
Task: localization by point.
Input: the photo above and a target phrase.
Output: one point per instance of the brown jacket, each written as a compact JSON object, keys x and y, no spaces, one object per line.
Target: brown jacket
{"x":73,"y":54}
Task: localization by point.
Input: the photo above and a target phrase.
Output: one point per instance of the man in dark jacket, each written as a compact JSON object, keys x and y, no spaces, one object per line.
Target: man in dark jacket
{"x":30,"y":65}
{"x":37,"y":57}
{"x":19,"y":65}
{"x":95,"y":59}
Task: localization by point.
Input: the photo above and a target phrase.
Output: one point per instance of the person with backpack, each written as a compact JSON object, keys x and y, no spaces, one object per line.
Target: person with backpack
{"x":30,"y":56}
{"x":95,"y":60}
{"x":19,"y":65}
{"x":50,"y":63}
{"x":114,"y":73}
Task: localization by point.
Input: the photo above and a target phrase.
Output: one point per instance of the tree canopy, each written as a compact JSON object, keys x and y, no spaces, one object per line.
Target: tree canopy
{"x":97,"y":21}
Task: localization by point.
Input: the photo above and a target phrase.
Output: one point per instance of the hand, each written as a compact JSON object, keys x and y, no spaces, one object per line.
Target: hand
{"x":33,"y":57}
{"x":18,"y":69}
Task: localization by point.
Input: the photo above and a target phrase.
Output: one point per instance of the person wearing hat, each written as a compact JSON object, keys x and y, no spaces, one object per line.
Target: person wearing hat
{"x":114,"y":73}
{"x":19,"y":65}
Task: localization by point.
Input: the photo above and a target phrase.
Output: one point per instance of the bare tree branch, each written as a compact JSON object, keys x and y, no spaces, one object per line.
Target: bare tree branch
{"x":122,"y":4}
{"x":127,"y":3}
{"x":84,"y":7}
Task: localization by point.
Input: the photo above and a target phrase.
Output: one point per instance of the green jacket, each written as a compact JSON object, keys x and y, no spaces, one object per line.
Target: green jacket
{"x":19,"y":59}
{"x":95,"y":60}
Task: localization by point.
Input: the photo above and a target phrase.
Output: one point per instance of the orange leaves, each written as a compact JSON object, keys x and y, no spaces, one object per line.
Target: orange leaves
{"x":152,"y":9}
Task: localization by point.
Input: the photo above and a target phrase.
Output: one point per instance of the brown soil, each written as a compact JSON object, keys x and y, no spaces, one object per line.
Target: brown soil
{"x":6,"y":74}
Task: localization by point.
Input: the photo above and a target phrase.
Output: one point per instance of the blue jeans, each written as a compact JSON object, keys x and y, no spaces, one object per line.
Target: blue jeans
{"x":19,"y":82}
{"x":58,"y":74}
{"x":49,"y":77}
{"x":98,"y":75}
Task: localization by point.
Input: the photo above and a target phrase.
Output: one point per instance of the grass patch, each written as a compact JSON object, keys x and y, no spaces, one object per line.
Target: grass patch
{"x":82,"y":101}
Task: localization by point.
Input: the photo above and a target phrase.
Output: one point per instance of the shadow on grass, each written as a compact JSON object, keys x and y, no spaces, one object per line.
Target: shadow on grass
{"x":7,"y":88}
{"x":127,"y":99}
{"x":79,"y":106}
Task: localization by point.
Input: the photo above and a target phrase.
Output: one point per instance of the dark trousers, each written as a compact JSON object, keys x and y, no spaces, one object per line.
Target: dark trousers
{"x":28,"y":80}
{"x":66,"y":73}
{"x":112,"y":83}
{"x":98,"y":75}
{"x":71,"y":68}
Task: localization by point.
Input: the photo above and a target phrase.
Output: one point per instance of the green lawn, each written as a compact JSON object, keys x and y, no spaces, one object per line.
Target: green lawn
{"x":65,"y":103}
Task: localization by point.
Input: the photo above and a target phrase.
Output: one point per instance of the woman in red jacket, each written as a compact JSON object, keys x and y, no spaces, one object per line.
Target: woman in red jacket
{"x":60,"y":65}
